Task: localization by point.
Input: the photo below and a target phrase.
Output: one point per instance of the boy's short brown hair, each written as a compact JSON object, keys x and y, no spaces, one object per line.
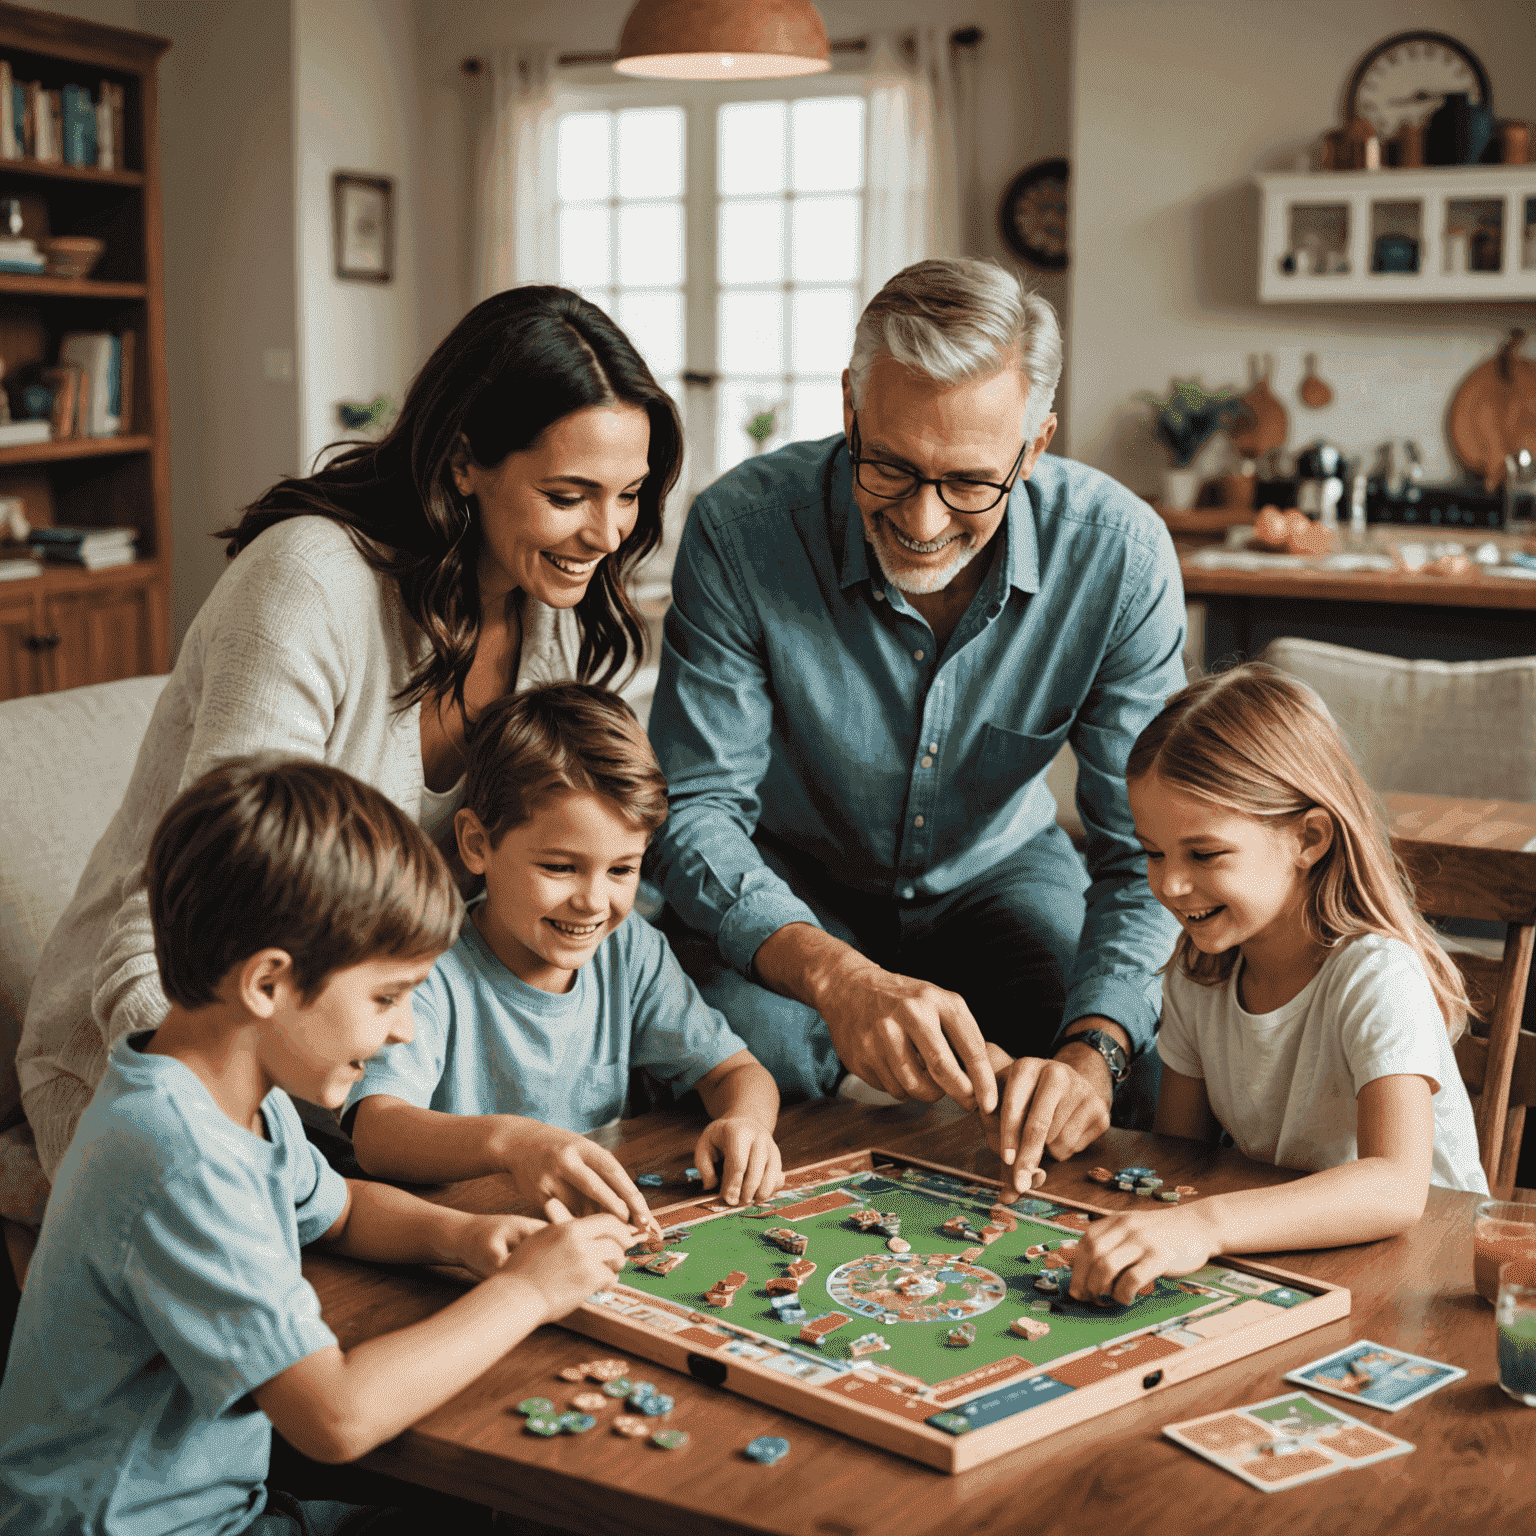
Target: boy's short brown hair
{"x":266,"y":852}
{"x":573,"y":736}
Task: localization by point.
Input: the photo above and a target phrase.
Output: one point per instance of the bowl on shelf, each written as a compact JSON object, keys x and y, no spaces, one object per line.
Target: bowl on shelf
{"x":71,"y":255}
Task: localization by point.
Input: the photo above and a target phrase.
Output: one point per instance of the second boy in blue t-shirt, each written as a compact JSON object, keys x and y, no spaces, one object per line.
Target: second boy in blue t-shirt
{"x":527,"y":1028}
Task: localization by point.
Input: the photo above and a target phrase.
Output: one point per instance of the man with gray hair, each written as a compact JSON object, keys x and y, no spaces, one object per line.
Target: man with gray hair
{"x":862,"y":865}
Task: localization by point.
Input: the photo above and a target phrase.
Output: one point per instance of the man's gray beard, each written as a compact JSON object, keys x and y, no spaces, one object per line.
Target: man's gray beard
{"x":924,"y":582}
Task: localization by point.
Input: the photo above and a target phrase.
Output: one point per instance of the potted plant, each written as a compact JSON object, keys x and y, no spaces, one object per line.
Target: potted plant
{"x":1184,"y":423}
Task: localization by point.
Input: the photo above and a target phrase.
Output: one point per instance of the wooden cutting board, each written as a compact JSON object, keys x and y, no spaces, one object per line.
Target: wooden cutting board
{"x":1493,"y":412}
{"x":1269,"y":421}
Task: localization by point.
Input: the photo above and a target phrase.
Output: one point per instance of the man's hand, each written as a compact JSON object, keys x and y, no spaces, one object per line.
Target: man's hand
{"x":486,"y":1242}
{"x":548,"y":1163}
{"x":1118,"y":1255}
{"x":750,"y":1167}
{"x":1047,"y":1106}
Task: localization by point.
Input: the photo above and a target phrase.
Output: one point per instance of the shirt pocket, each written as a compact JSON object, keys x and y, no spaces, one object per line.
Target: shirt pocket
{"x":1009,"y":760}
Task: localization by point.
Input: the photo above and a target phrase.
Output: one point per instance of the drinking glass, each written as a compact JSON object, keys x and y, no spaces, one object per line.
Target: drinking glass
{"x":1515,"y":1312}
{"x":1502,"y":1231}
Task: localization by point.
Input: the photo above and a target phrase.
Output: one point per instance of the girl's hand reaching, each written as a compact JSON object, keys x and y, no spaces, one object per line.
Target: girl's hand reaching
{"x":1118,"y":1255}
{"x":487,"y":1242}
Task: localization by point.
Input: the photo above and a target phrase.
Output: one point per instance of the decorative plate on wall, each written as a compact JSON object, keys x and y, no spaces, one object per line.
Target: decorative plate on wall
{"x":1032,"y":216}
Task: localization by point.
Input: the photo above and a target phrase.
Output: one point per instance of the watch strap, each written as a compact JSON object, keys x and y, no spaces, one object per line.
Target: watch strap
{"x":1109,"y":1048}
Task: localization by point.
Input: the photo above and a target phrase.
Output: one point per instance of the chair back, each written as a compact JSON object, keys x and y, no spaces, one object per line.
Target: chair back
{"x":1477,"y":859}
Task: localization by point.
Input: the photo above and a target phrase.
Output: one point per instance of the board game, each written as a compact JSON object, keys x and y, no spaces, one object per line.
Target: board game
{"x":895,"y":1300}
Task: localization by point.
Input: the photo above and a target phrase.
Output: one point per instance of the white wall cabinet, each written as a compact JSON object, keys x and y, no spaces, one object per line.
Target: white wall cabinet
{"x":1468,"y":231}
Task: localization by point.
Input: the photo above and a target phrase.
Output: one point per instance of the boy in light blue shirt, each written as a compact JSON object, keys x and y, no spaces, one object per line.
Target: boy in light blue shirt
{"x":527,"y":1028}
{"x":166,"y":1324}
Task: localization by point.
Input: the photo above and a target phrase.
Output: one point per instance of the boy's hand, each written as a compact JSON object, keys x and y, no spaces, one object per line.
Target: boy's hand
{"x":549,"y":1163}
{"x":486,"y":1242}
{"x":751,"y":1169}
{"x":568,"y":1260}
{"x":1120,"y":1254}
{"x":1043,"y":1106}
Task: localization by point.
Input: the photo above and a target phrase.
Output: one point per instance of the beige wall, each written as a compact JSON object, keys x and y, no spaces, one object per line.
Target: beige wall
{"x":1023,"y":81}
{"x":1176,"y":104}
{"x":358,"y":109}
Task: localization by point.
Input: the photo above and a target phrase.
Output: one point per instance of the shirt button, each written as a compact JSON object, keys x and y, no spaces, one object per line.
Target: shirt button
{"x":933,"y":746}
{"x":927,"y":762}
{"x":879,"y":595}
{"x":907,"y":892}
{"x":917,"y":655}
{"x":917,"y":821}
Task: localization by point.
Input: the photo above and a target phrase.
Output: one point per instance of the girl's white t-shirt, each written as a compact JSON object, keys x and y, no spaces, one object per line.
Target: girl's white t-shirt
{"x":1284,"y":1083}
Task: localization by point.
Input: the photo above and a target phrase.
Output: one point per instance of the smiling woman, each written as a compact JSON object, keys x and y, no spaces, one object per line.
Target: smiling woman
{"x":369,"y":614}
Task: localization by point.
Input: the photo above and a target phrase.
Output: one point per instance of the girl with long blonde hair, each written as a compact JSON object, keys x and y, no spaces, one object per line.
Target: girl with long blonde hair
{"x":1307,"y":1008}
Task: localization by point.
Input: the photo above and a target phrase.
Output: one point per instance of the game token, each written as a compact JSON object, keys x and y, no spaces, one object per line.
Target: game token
{"x":782,"y":1285}
{"x":1185,"y":1189}
{"x":961,"y":1336}
{"x":800,"y":1269}
{"x":608,"y":1370}
{"x":790,"y":1241}
{"x":1100,"y":1175}
{"x":1034,"y":1250}
{"x":1170,"y":1195}
{"x":970,"y":1255}
{"x":589,"y":1402}
{"x":649,"y":1180}
{"x":620,"y":1386}
{"x":1136,"y":1173}
{"x":868,"y":1344}
{"x":643,"y":1389}
{"x":576,"y":1423}
{"x":574,"y":1373}
{"x":767,"y":1449}
{"x":670,"y":1439}
{"x":1029,"y":1328}
{"x":899,"y":1245}
{"x":1046,"y":1282}
{"x":693,"y":1175}
{"x":654,"y":1406}
{"x":542,"y":1424}
{"x":533,"y":1405}
{"x":632,"y":1425}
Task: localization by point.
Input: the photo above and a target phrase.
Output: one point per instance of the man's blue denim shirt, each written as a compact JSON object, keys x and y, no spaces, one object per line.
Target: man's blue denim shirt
{"x":799,"y":692}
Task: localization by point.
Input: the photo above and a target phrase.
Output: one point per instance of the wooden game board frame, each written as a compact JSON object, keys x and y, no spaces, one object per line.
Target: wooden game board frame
{"x":911,"y":1437}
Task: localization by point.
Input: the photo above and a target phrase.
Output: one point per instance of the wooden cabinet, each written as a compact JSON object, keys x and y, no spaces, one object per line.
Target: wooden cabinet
{"x":70,"y":626}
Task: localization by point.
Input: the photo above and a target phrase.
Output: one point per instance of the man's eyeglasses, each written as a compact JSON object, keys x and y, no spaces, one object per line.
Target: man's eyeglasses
{"x":895,"y":482}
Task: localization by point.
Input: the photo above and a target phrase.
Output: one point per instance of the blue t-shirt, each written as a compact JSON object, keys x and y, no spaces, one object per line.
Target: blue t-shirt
{"x":164,"y":1289}
{"x":488,"y":1044}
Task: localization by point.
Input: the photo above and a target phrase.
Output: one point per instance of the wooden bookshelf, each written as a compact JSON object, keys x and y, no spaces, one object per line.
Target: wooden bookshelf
{"x":70,"y":626}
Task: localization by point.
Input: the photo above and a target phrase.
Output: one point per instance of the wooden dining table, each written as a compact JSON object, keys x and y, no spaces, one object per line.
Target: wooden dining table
{"x":1473,"y":1469}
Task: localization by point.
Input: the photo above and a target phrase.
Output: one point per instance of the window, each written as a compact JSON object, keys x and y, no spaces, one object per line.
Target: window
{"x":724,"y":235}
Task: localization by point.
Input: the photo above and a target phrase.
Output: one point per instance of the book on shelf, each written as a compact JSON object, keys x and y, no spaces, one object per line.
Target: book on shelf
{"x":8,"y":145}
{"x":19,"y":569}
{"x":79,"y":119}
{"x":94,"y":559}
{"x":19,"y":254}
{"x":13,"y":434}
{"x":54,"y":536}
{"x":68,"y":126}
{"x":68,"y":395}
{"x":97,"y":354}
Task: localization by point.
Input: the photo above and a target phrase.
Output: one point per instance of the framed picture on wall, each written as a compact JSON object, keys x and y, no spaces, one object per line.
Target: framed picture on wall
{"x":364,"y":215}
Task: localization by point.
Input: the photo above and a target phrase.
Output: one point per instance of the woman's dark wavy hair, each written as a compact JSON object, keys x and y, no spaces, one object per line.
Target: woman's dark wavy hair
{"x":512,"y":366}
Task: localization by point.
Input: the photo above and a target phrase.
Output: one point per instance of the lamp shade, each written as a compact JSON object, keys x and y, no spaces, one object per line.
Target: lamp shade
{"x":723,"y":40}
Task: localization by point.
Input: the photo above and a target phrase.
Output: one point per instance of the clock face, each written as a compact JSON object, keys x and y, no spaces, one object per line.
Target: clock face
{"x":1405,"y":79}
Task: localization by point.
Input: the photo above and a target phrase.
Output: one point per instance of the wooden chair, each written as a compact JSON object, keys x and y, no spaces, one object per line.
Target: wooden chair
{"x":1477,"y":859}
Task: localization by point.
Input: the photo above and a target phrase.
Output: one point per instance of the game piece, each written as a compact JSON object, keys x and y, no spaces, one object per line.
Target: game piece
{"x":608,"y":1370}
{"x":961,"y":1336}
{"x":1148,"y":1186}
{"x":1170,"y":1195}
{"x":782,"y":1285}
{"x":767,"y":1449}
{"x":543,"y":1424}
{"x":574,"y":1373}
{"x":620,"y":1386}
{"x":957,"y":1226}
{"x":693,"y":1175}
{"x":535,"y":1405}
{"x":970,"y":1255}
{"x":789,"y":1310}
{"x":1185,"y":1189}
{"x":990,"y":1234}
{"x":786,"y":1239}
{"x":670,"y":1439}
{"x":890,"y":1224}
{"x":1004,"y":1217}
{"x":1029,"y":1327}
{"x":868,"y":1344}
{"x":660,"y":1263}
{"x":576,"y":1423}
{"x":589,"y":1402}
{"x":649,"y":1180}
{"x":1126,"y":1186}
{"x":899,"y":1245}
{"x":1047,"y":1283}
{"x":1136,"y":1173}
{"x":632,"y":1425}
{"x":1100,"y":1175}
{"x":816,"y":1329}
{"x":1034,"y":1250}
{"x":800,"y":1269}
{"x":866,"y":1218}
{"x":654,"y":1406}
{"x":1374,"y":1374}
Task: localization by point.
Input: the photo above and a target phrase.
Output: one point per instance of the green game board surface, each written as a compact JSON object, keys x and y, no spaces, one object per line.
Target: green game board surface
{"x":724,"y":1243}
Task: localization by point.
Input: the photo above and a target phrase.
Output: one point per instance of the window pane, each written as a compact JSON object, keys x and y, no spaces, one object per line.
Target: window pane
{"x":584,"y":252}
{"x":751,"y":147}
{"x":582,"y":157}
{"x":752,"y":332}
{"x":651,"y":152}
{"x":650,"y":244}
{"x":741,"y":401}
{"x":751,"y":242}
{"x":827,"y":145}
{"x":825,"y":240}
{"x":821,"y":328}
{"x":816,"y":409}
{"x":654,"y":322}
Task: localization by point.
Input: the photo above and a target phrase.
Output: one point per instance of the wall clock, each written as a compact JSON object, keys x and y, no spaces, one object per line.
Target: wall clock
{"x":1405,"y":78}
{"x":1032,"y":216}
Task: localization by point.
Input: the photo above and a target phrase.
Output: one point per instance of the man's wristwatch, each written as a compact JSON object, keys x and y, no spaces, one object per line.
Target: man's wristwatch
{"x":1107,"y":1047}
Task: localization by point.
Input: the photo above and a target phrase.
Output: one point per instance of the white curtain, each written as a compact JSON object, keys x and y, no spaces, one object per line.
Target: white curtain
{"x":917,"y":157}
{"x":516,"y":237}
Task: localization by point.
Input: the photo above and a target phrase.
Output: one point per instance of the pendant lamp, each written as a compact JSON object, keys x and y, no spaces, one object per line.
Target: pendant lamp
{"x":723,"y":40}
